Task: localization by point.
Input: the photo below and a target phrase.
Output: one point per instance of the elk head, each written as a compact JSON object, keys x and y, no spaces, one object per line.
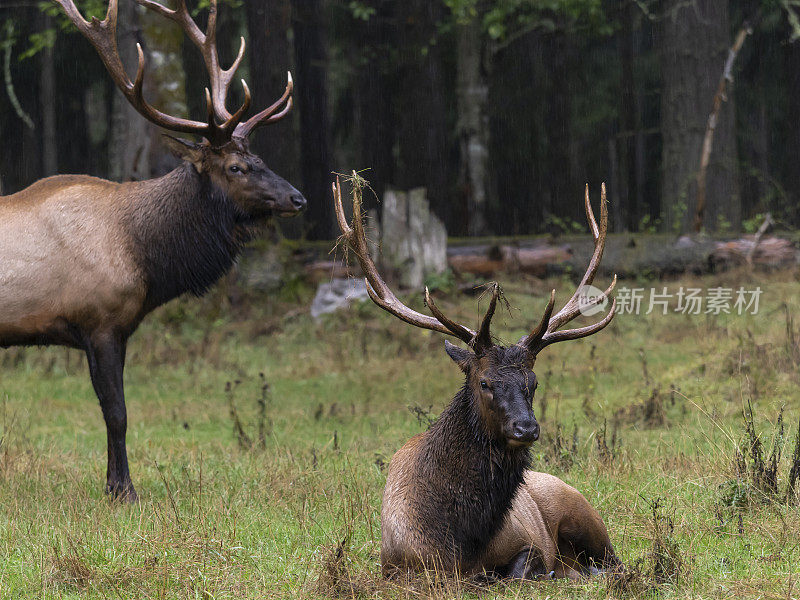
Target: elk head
{"x":223,"y":156}
{"x":256,"y":192}
{"x":500,"y":378}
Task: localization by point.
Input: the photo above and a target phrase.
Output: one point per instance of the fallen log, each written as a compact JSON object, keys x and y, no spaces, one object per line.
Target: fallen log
{"x":626,"y":255}
{"x":487,"y":260}
{"x":768,"y":252}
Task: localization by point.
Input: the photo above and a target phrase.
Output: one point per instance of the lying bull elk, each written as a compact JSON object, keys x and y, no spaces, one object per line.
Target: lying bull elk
{"x":83,"y":260}
{"x":460,"y":496}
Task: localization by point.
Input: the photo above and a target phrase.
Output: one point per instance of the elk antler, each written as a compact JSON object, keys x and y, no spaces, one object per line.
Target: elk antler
{"x":103,"y":36}
{"x":381,"y":295}
{"x":545,"y":333}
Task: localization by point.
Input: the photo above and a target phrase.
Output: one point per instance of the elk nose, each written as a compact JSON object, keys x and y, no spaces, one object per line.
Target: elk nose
{"x":298,"y":202}
{"x":526,"y":430}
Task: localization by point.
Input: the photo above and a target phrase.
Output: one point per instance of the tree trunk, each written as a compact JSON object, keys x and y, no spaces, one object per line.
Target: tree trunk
{"x":694,"y":46}
{"x":48,"y":103}
{"x":375,"y":85}
{"x":473,"y":126}
{"x":791,"y":173}
{"x":311,"y":95}
{"x":129,"y":144}
{"x":630,"y":187}
{"x":424,"y":151}
{"x":563,"y":185}
{"x":518,"y":148}
{"x":268,"y":24}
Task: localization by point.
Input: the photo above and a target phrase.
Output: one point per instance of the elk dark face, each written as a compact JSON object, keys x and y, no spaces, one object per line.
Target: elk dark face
{"x":256,"y":192}
{"x":503,"y":386}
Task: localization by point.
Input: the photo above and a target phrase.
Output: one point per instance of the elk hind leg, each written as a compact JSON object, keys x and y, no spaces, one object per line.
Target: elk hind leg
{"x":584,"y":546}
{"x":529,"y":563}
{"x":106,"y":357}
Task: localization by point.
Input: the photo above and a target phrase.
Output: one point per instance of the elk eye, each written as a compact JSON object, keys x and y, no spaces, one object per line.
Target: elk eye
{"x":234,"y":169}
{"x":484,"y":385}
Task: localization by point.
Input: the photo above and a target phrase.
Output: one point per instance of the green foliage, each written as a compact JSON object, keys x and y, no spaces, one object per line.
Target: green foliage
{"x":46,"y":38}
{"x":444,"y":281}
{"x":38,"y":42}
{"x":361,"y":11}
{"x":735,"y":493}
{"x":564,"y":225}
{"x":507,"y":19}
{"x":752,"y":224}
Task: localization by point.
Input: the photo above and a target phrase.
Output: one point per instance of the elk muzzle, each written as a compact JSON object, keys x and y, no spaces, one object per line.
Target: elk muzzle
{"x":269,"y":196}
{"x":281,"y":198}
{"x":524,"y":431}
{"x":520,"y":427}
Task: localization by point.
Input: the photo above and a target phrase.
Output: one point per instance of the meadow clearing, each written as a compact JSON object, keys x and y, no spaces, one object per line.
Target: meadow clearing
{"x":279,"y":497}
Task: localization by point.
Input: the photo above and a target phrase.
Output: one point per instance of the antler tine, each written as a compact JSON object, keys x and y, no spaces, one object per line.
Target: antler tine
{"x":580,"y":332}
{"x":270,"y":114}
{"x":461,"y":332}
{"x":546,"y":332}
{"x":377,"y":288}
{"x":536,"y":335}
{"x":483,"y":339}
{"x":219,"y":78}
{"x":538,"y":340}
{"x":589,"y":213}
{"x":103,"y":36}
{"x":572,"y":308}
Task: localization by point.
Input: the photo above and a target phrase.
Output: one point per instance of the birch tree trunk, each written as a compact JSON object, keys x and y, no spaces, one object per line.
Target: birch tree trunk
{"x":473,"y":125}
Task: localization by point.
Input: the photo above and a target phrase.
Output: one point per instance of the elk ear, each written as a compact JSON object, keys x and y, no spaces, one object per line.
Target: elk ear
{"x":191,"y":152}
{"x":463,"y":358}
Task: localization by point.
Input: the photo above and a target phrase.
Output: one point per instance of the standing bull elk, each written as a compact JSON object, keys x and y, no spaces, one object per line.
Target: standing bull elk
{"x":83,"y":260}
{"x":460,"y":496}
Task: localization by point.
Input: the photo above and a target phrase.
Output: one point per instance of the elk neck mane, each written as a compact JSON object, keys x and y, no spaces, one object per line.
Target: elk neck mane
{"x":185,"y":233}
{"x":470,"y":478}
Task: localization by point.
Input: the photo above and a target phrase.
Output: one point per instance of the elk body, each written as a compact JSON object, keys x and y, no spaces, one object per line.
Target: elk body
{"x":460,"y":496}
{"x":83,"y":260}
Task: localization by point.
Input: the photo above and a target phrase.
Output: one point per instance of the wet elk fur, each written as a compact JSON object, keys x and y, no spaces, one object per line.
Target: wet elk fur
{"x":83,"y":260}
{"x":460,"y":496}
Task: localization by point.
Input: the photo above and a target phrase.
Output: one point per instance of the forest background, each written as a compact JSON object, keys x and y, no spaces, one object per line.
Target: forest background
{"x":502,"y":109}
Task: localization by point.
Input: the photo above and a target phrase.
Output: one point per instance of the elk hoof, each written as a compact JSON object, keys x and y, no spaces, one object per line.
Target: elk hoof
{"x":122,"y":493}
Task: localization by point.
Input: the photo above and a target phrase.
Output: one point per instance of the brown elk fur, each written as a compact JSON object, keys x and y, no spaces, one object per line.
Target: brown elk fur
{"x":84,"y":260}
{"x":460,"y":497}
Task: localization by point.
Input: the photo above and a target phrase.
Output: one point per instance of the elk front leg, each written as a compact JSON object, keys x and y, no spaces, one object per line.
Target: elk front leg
{"x":106,"y":355}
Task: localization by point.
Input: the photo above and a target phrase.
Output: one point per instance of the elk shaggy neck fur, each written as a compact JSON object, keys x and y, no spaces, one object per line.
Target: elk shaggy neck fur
{"x":473,"y":476}
{"x":185,"y":233}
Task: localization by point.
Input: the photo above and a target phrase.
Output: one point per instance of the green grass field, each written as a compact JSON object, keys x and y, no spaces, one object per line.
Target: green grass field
{"x":645,"y":419}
